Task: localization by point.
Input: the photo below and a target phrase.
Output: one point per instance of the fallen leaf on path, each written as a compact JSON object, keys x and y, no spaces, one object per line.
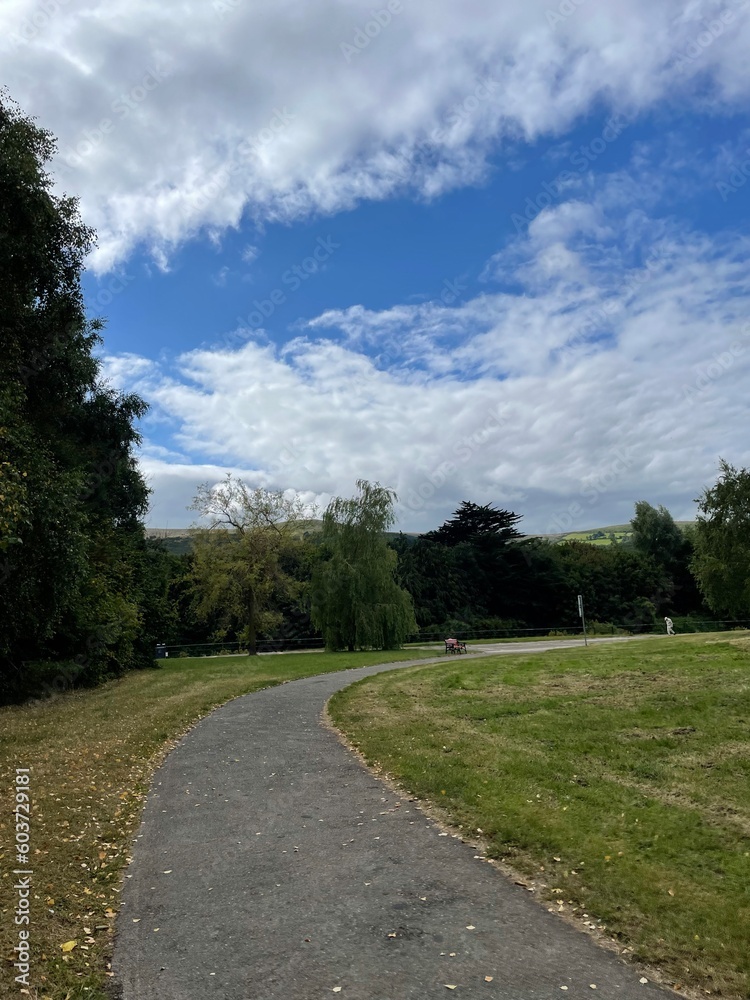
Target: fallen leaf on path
{"x":336,"y":989}
{"x":69,"y":945}
{"x":488,"y":979}
{"x":470,"y":927}
{"x":643,"y":979}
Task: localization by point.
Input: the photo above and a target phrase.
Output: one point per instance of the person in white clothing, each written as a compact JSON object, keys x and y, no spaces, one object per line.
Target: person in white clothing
{"x":670,"y":627}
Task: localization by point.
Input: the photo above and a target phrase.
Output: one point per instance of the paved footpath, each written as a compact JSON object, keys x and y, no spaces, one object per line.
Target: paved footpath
{"x":276,"y":867}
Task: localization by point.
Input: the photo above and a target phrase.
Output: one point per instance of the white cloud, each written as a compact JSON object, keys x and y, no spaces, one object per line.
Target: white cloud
{"x":250,"y":253}
{"x":178,"y":119}
{"x":567,"y":401}
{"x":617,"y":371}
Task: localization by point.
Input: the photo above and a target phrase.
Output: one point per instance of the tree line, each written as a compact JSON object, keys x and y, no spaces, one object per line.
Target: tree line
{"x":263,"y":570}
{"x":84,"y":595}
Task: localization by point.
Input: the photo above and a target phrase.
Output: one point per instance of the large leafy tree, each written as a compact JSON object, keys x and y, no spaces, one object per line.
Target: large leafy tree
{"x":436,"y":577}
{"x":356,"y":601}
{"x":71,"y":496}
{"x":656,"y":537}
{"x":239,"y":557}
{"x":722,"y":543}
{"x":617,"y":584}
{"x":655,"y":534}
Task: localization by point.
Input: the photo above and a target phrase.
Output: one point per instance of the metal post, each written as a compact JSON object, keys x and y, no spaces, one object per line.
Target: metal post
{"x":583,"y":619}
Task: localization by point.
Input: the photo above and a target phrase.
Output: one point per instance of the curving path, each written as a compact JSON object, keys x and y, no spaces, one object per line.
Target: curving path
{"x":275,"y":866}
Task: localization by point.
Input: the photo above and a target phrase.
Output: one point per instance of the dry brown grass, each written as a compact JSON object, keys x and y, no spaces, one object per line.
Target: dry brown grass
{"x":92,"y":755}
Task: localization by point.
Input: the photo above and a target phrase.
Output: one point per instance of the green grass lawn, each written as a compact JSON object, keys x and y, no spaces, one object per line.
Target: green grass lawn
{"x":616,"y":779}
{"x":91,"y":755}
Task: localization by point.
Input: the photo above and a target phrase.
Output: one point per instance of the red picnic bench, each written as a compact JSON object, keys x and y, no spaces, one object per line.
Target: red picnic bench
{"x":454,"y":646}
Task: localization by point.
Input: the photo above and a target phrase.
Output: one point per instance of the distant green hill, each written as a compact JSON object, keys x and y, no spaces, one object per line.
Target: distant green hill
{"x":177,"y":540}
{"x":608,"y":535}
{"x":174,"y":540}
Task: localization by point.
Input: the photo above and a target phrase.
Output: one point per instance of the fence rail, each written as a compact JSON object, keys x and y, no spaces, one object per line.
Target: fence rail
{"x":687,"y":625}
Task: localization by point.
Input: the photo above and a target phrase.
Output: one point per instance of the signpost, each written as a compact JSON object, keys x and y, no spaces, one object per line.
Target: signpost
{"x":583,"y":619}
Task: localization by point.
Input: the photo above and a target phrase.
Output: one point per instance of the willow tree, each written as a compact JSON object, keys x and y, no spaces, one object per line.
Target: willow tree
{"x":356,"y":601}
{"x":238,"y":557}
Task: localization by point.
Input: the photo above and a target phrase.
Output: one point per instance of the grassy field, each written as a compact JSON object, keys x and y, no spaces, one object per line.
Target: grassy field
{"x":615,"y":780}
{"x":91,"y":755}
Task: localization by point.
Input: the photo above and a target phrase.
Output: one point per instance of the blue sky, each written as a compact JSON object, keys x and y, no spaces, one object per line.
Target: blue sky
{"x":484,"y":254}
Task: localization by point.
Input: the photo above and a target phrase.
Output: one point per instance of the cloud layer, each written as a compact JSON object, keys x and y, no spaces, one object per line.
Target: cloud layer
{"x":570,"y":397}
{"x":606,"y":359}
{"x":180,"y":119}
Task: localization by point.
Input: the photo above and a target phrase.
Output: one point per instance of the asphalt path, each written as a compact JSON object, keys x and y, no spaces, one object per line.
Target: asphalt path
{"x":271,"y":864}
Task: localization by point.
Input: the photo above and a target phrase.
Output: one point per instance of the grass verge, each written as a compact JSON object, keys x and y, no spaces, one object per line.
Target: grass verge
{"x":617,"y":778}
{"x":91,"y":755}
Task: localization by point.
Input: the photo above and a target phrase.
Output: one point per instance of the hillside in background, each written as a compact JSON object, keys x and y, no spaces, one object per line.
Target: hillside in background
{"x":174,"y":540}
{"x":609,"y":535}
{"x":177,"y":540}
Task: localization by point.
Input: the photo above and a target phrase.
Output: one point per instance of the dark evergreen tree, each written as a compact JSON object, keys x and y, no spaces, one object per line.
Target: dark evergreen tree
{"x":471,"y":521}
{"x":71,"y":496}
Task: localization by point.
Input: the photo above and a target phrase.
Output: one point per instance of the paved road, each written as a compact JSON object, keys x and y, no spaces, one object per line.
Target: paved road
{"x":270,"y":864}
